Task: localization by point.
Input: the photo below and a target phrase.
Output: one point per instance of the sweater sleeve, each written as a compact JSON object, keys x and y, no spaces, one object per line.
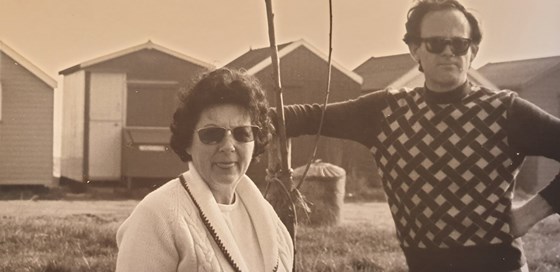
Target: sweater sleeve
{"x":145,"y":242}
{"x":357,"y":119}
{"x":534,"y":132}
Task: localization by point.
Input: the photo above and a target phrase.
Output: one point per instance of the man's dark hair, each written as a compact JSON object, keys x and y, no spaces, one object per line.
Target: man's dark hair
{"x":417,"y":12}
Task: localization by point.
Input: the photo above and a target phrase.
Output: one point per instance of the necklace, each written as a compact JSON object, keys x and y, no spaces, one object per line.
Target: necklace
{"x":212,"y":231}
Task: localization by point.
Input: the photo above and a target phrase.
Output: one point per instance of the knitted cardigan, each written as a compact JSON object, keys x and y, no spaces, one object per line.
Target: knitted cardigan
{"x":165,"y":231}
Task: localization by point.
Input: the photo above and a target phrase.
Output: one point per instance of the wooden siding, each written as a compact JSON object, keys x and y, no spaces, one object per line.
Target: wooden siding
{"x":92,"y":143}
{"x":72,"y":144}
{"x":304,"y":77}
{"x":26,"y":128}
{"x":150,"y":65}
{"x":162,"y":100}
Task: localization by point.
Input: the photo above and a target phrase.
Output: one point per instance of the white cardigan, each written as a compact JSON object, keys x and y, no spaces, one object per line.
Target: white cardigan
{"x":165,"y":231}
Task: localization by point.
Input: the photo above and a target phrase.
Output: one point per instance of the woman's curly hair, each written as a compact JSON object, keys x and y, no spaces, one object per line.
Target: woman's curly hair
{"x":219,"y":87}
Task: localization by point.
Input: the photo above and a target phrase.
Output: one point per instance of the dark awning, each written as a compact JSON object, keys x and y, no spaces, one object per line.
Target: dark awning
{"x":147,"y":136}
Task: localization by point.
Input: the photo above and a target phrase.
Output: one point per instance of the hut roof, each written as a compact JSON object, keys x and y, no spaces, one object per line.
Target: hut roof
{"x":27,"y":65}
{"x":148,"y":46}
{"x":256,"y":60}
{"x":518,"y":73}
{"x":379,"y":72}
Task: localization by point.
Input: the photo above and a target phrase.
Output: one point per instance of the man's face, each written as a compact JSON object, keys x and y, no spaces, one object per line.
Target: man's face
{"x":445,"y":70}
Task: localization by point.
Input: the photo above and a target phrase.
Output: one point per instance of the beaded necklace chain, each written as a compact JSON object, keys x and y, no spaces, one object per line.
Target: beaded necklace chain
{"x":212,"y":231}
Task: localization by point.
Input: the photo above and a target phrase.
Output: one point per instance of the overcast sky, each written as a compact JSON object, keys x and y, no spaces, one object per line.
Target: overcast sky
{"x":57,"y":34}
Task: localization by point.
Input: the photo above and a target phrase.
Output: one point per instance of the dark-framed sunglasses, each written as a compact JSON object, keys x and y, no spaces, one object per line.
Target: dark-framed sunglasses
{"x":215,"y":135}
{"x":436,"y":45}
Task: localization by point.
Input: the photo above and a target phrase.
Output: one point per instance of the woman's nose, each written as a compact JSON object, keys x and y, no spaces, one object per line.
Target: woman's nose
{"x":228,"y":143}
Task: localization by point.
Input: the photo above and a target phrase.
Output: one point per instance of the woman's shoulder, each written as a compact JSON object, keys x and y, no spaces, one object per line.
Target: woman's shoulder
{"x":164,"y":196}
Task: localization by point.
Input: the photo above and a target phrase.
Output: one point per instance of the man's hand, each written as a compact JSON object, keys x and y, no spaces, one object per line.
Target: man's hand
{"x":524,"y":217}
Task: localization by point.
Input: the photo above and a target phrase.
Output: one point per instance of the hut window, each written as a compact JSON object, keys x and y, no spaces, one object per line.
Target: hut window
{"x":150,"y":105}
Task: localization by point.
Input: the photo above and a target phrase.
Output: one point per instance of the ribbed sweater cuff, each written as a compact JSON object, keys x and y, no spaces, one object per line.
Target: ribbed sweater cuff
{"x":551,"y":194}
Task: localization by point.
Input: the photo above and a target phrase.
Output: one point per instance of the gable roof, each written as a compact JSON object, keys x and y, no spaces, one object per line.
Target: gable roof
{"x":253,"y":57}
{"x":28,"y":65}
{"x":145,"y":46}
{"x":256,"y":60}
{"x":380,"y":72}
{"x":518,"y":73}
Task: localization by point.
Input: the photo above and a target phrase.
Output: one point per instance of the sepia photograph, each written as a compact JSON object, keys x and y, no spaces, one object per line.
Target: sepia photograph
{"x":280,"y":135}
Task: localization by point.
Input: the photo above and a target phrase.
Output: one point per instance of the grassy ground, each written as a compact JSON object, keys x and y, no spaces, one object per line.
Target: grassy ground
{"x":66,"y":235}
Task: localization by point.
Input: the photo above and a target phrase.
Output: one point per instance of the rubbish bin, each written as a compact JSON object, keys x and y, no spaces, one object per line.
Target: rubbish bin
{"x":323,"y":188}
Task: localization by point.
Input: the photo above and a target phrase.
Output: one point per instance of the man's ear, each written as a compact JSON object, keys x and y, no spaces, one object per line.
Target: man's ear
{"x":413,"y":49}
{"x":474,"y":51}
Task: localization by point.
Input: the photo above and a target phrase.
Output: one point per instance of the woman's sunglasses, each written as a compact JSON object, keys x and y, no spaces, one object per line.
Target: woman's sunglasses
{"x":436,"y":45}
{"x":215,"y":135}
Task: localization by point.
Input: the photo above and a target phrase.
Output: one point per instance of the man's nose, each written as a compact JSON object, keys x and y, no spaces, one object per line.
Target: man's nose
{"x":447,"y":51}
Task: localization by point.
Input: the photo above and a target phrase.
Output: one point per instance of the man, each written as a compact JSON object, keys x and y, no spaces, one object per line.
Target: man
{"x":448,"y":153}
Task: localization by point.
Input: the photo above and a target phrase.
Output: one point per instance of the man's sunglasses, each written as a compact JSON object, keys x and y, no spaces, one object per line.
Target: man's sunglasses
{"x":436,"y":45}
{"x":215,"y":135}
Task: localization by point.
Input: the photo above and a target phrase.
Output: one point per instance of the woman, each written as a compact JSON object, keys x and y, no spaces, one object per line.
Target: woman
{"x":212,"y":217}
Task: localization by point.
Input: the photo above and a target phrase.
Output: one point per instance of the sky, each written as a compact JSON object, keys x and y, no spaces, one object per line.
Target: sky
{"x":57,"y":34}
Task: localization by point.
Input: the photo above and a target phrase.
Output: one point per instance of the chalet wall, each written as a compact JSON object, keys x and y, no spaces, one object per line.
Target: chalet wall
{"x":26,"y":128}
{"x":73,"y":110}
{"x":304,"y":80}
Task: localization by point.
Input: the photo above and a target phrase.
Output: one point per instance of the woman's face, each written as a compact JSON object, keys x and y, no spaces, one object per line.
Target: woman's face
{"x":222,"y":164}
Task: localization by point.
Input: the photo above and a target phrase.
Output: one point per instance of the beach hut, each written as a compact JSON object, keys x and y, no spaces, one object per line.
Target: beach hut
{"x":116,"y":114}
{"x":26,"y":121}
{"x":536,"y":80}
{"x":303,"y":71}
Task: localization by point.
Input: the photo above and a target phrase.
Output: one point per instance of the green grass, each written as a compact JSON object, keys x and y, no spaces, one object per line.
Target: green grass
{"x":357,"y":247}
{"x":80,"y":236}
{"x":70,"y":243}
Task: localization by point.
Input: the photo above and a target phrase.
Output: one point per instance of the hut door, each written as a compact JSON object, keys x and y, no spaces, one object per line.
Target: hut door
{"x":105,"y":127}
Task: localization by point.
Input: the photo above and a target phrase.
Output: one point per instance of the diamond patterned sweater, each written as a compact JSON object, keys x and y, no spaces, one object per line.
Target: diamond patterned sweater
{"x":448,"y":163}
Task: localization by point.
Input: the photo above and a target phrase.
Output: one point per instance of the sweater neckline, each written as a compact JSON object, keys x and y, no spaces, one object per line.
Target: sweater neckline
{"x":226,"y":208}
{"x":211,"y":229}
{"x":448,"y":97}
